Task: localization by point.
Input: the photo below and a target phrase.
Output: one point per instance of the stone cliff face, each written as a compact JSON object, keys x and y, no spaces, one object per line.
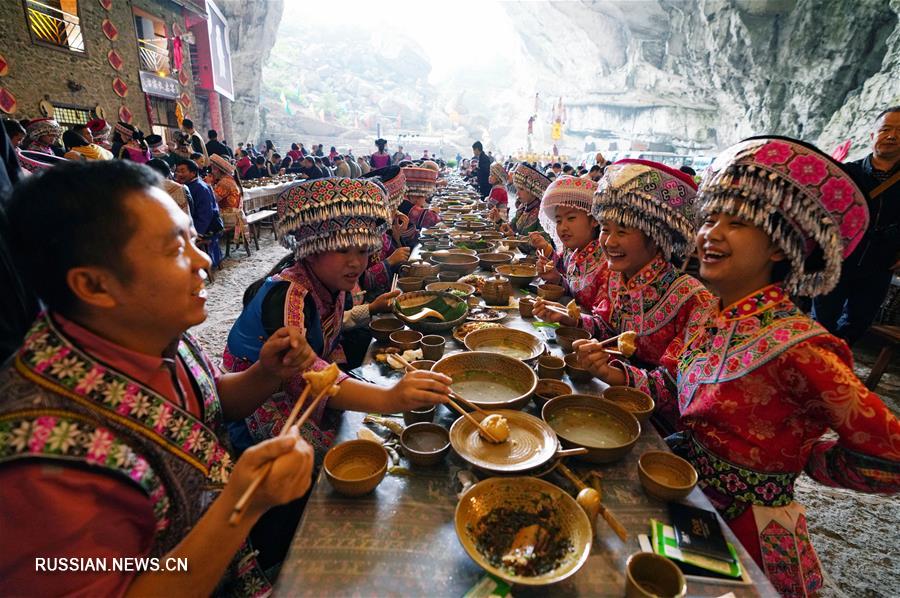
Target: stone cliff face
{"x":253,"y":28}
{"x":709,"y":72}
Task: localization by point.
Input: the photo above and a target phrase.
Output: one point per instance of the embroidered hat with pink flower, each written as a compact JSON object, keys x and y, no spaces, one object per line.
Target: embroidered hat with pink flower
{"x":653,"y":198}
{"x":331,"y":215}
{"x":801,"y":197}
{"x":566,"y":191}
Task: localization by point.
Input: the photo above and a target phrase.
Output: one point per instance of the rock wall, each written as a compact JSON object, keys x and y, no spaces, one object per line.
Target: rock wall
{"x":726,"y":69}
{"x":253,"y":28}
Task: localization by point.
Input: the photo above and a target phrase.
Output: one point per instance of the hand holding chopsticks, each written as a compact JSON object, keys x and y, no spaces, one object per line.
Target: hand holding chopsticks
{"x":452,"y":403}
{"x":241,"y":505}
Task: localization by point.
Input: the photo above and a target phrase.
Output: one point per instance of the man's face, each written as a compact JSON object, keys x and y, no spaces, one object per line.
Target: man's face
{"x":886,"y":137}
{"x":476,"y":152}
{"x":183,"y":175}
{"x":165,"y":294}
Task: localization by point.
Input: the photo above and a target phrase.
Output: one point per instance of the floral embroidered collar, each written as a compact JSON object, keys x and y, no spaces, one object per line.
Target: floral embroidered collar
{"x":589,"y":251}
{"x":647,"y":274}
{"x":753,"y":304}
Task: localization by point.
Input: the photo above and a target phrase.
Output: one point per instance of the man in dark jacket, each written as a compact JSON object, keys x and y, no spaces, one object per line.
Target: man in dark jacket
{"x":484,"y":167}
{"x":205,"y":213}
{"x":850,"y":308}
{"x":309,"y":168}
{"x":214,"y":146}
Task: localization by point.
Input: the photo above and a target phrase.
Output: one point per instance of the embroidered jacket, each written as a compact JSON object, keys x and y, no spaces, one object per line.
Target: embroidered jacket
{"x":62,"y":406}
{"x":323,"y":334}
{"x":526,"y":218}
{"x":655,"y":303}
{"x":758,"y":384}
{"x":377,"y":277}
{"x":580,"y":271}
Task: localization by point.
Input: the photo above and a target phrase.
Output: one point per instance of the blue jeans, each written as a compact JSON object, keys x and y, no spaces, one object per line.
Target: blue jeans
{"x":849,"y":310}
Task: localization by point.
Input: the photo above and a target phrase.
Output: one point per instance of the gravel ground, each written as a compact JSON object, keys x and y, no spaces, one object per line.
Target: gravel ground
{"x":851,"y":531}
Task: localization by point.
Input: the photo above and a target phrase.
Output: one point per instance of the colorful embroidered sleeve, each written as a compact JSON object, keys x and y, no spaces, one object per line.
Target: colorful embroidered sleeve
{"x":867,"y":455}
{"x":377,"y":277}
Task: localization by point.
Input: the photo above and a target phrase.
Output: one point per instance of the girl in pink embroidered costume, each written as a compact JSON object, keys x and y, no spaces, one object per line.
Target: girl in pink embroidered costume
{"x":530,"y":186}
{"x":759,"y":382}
{"x":644,"y":210}
{"x":498,"y":198}
{"x":566,"y":216}
{"x":332,"y":225}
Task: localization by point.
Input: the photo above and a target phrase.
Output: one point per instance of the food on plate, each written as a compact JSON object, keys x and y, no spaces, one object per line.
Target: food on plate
{"x":463,"y":329}
{"x":527,"y":543}
{"x":497,"y":428}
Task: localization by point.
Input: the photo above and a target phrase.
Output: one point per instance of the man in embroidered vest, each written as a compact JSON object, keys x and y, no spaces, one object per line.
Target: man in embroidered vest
{"x":112,"y":420}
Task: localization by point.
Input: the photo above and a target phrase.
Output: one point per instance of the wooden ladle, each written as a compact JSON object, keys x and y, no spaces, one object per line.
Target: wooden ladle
{"x":589,"y":500}
{"x":426,"y":312}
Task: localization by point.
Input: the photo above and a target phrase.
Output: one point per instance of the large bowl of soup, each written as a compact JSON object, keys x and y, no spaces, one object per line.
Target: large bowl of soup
{"x":608,"y":431}
{"x":517,"y":344}
{"x":489,"y":380}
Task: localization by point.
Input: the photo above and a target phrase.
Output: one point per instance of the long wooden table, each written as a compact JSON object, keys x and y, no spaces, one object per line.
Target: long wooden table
{"x":400,"y":540}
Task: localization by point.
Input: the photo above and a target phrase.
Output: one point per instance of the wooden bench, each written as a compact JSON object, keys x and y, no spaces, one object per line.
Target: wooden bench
{"x":891,"y":334}
{"x":258,"y":219}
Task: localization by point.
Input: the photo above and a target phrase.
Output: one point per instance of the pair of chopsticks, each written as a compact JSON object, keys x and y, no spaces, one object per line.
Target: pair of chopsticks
{"x":394,"y":283}
{"x":456,"y":406}
{"x":239,"y":507}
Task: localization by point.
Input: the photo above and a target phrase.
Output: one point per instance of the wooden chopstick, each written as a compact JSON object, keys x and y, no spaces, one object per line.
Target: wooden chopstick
{"x":452,"y":396}
{"x":611,"y":339}
{"x":606,"y":513}
{"x":394,"y":283}
{"x":238,"y":511}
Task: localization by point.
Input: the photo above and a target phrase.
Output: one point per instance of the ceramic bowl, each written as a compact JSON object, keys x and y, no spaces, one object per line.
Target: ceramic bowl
{"x":517,"y":344}
{"x":415,"y":416}
{"x":551,"y":292}
{"x":631,"y":399}
{"x":666,"y":476}
{"x":566,"y":335}
{"x":475,"y":371}
{"x":574,"y":370}
{"x":408,"y":284}
{"x":451,"y":286}
{"x":526,"y":307}
{"x":531,"y":494}
{"x":488,"y":261}
{"x":519,"y":275}
{"x":605,"y":429}
{"x":425,"y":443}
{"x":433,"y":346}
{"x":355,"y":467}
{"x":422,"y":364}
{"x":382,"y":328}
{"x":650,"y":575}
{"x":549,"y":388}
{"x":550,"y":366}
{"x":406,"y":339}
{"x":418,"y":299}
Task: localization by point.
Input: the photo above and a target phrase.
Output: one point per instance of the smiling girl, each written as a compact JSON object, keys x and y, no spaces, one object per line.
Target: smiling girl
{"x":332,"y":225}
{"x":566,"y":216}
{"x":644,"y":210}
{"x":758,"y":381}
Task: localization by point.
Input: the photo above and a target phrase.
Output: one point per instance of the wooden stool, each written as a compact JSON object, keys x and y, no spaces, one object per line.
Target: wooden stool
{"x":891,"y":334}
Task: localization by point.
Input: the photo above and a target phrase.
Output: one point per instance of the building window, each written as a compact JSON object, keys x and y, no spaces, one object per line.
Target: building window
{"x":153,"y":45}
{"x":71,"y":115}
{"x":55,"y":22}
{"x":163,"y":112}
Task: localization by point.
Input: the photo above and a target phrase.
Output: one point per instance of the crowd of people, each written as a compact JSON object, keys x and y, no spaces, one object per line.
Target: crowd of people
{"x":157,"y":442}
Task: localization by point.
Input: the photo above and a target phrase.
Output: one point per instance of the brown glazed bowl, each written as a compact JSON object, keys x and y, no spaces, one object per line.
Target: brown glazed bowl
{"x":650,"y":575}
{"x":488,"y":261}
{"x":406,"y":339}
{"x":611,"y":431}
{"x":519,"y":275}
{"x":573,"y":369}
{"x":630,"y":399}
{"x":415,"y":416}
{"x":382,"y":328}
{"x":422,"y":364}
{"x":479,"y":366}
{"x":666,"y":476}
{"x":355,"y":467}
{"x":455,"y":262}
{"x":425,"y":443}
{"x":549,"y":388}
{"x":566,"y":335}
{"x":551,"y":292}
{"x":550,"y":366}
